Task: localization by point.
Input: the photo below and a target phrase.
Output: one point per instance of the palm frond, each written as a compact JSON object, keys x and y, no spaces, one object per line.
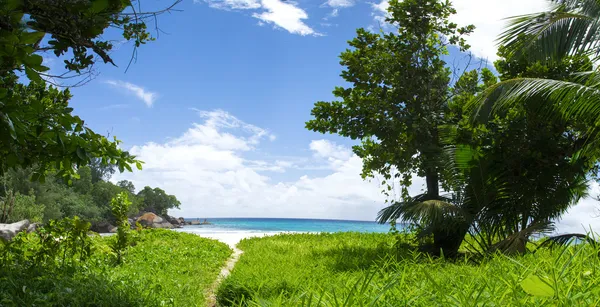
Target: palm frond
{"x":569,"y":27}
{"x":566,"y":239}
{"x":421,"y":210}
{"x":516,"y":243}
{"x":571,"y":99}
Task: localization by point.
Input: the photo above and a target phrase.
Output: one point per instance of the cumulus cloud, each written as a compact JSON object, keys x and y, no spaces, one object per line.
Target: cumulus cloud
{"x":584,"y":216}
{"x":281,"y":14}
{"x":207,"y":168}
{"x":285,"y":15}
{"x":487,"y":16}
{"x":146,"y":96}
{"x":380,"y":12}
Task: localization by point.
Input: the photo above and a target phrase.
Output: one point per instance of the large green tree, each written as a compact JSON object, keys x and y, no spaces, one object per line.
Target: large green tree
{"x":37,"y":127}
{"x":398,"y":94}
{"x":516,"y":173}
{"x":157,"y":201}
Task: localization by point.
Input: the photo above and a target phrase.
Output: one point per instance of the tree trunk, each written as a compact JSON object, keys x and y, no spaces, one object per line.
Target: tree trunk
{"x":445,"y":241}
{"x":448,"y":241}
{"x":433,"y":186}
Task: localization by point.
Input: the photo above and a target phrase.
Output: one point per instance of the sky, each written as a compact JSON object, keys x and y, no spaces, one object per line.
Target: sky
{"x":216,"y":106}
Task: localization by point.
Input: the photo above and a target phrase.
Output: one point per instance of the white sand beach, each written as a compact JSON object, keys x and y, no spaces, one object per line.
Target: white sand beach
{"x":230,"y":238}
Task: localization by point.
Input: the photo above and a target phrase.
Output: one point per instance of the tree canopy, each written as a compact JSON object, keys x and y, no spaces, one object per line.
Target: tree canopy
{"x":37,"y":127}
{"x":22,"y":198}
{"x":506,"y":177}
{"x":399,"y":94}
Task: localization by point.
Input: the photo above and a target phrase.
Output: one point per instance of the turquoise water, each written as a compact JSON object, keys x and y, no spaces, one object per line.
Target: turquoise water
{"x":292,"y":225}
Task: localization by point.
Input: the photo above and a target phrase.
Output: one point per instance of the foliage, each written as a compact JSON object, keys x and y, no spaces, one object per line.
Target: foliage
{"x":120,"y":207}
{"x":512,"y":174}
{"x":349,"y":269}
{"x":25,"y":208}
{"x":399,"y":92}
{"x":397,"y":100}
{"x":60,"y":243}
{"x":75,"y":29}
{"x":37,"y":127}
{"x":163,"y":268}
{"x":568,"y":28}
{"x":157,"y":201}
{"x":89,"y":200}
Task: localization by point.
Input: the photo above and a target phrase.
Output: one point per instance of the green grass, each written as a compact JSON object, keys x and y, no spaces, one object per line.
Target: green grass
{"x":352,"y":269}
{"x":163,"y":268}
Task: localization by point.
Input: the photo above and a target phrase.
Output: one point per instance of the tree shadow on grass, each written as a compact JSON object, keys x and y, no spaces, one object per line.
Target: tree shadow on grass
{"x":358,"y":258}
{"x":50,"y":287}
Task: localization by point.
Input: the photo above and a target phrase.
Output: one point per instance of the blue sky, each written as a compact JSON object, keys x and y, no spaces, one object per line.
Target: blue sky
{"x":216,"y":107}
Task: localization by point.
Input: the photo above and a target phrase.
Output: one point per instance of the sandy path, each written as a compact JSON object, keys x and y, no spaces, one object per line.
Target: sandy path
{"x":225,"y":271}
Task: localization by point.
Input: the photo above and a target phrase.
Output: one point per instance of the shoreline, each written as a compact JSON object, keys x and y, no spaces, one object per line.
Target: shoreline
{"x":232,"y":238}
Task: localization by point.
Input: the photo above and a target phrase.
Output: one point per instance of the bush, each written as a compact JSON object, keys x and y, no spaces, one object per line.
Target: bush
{"x":26,"y":208}
{"x":62,"y":265}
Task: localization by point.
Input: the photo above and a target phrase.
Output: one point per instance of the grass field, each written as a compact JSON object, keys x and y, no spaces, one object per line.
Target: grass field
{"x":164,"y":268}
{"x":353,"y":269}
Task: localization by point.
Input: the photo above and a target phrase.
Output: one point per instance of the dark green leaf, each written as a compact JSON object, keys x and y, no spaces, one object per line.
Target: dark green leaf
{"x":33,"y":75}
{"x":99,"y":6}
{"x":81,"y":153}
{"x":12,"y":159}
{"x":9,"y":124}
{"x":12,"y":4}
{"x":31,"y":37}
{"x":33,"y":61}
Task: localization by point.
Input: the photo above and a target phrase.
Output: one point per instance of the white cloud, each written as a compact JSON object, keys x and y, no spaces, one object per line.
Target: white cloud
{"x":212,"y":133}
{"x":380,"y":12}
{"x":339,"y":3}
{"x":584,"y":216}
{"x":282,"y":14}
{"x":207,"y":168}
{"x":146,"y":96}
{"x":326,"y":149}
{"x":285,"y":15}
{"x":232,"y":4}
{"x":488,"y":17}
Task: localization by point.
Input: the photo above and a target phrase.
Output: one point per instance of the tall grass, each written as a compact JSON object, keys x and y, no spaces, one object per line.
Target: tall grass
{"x":352,"y":269}
{"x":164,"y":268}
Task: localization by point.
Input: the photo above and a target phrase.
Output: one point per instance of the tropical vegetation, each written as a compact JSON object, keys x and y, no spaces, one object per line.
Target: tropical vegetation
{"x":495,"y":174}
{"x":159,"y":268}
{"x":504,"y":153}
{"x":357,"y":269}
{"x":88,"y":197}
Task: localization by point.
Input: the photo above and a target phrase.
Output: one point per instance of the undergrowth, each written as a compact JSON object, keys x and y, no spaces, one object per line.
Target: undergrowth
{"x":162,"y":268}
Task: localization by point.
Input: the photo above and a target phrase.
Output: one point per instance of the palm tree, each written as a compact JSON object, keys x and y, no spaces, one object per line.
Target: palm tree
{"x":570,"y":27}
{"x":527,"y":171}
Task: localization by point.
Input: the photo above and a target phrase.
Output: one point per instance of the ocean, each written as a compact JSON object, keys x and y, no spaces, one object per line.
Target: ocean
{"x":269,"y":225}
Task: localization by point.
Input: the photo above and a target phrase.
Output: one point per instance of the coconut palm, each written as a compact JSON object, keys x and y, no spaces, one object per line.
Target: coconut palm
{"x":569,"y":27}
{"x":514,"y":179}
